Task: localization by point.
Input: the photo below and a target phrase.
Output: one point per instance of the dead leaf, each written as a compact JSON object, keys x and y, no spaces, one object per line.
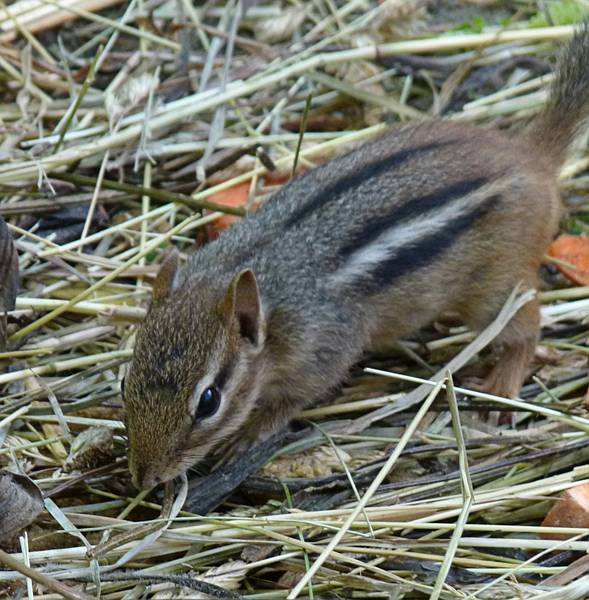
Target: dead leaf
{"x":92,"y":448}
{"x":572,"y":252}
{"x":399,"y":18}
{"x":9,"y":278}
{"x":408,"y":469}
{"x":255,"y":552}
{"x":21,"y":502}
{"x":569,"y":363}
{"x":281,"y":28}
{"x":289,"y":579}
{"x":317,"y":462}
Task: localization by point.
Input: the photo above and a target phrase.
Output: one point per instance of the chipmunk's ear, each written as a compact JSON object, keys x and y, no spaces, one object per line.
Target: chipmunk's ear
{"x":242,"y":302}
{"x":166,"y":279}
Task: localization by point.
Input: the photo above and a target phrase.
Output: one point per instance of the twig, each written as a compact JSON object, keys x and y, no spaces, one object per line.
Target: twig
{"x":212,"y":590}
{"x":44,"y":580}
{"x":154,"y":193}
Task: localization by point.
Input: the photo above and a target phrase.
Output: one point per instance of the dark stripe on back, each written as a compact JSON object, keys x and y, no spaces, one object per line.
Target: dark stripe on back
{"x":353,"y":180}
{"x":422,"y":252}
{"x":411,"y":209}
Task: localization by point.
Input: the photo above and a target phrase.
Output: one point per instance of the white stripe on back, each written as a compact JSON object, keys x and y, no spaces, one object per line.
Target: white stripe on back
{"x":404,"y":233}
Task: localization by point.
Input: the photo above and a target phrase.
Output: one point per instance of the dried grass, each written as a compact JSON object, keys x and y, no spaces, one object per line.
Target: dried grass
{"x":117,"y":118}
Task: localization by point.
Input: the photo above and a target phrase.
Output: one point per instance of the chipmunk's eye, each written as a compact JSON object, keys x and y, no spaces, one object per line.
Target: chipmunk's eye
{"x":209,"y":403}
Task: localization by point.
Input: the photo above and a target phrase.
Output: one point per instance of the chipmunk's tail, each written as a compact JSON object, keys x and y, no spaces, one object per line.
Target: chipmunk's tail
{"x":567,"y":107}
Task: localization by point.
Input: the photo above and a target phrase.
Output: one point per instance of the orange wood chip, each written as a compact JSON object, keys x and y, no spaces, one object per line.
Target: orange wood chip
{"x":238,"y":196}
{"x":570,"y":510}
{"x":233,"y":196}
{"x":279,"y":177}
{"x":573,"y":250}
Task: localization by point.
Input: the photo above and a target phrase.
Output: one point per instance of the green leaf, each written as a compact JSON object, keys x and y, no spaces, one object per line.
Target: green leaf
{"x":562,"y":12}
{"x":476,"y":25}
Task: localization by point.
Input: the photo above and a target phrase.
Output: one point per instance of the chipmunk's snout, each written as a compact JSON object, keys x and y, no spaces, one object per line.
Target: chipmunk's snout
{"x":144,"y":478}
{"x":156,"y":468}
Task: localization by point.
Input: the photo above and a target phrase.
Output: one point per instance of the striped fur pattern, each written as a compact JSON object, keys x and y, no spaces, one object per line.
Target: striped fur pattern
{"x":429,"y":218}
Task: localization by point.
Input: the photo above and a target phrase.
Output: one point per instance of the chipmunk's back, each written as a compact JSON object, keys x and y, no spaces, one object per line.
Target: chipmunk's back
{"x":398,"y":204}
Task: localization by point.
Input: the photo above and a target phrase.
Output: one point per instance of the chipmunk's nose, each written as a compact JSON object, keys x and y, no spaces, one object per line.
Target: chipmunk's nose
{"x":144,"y":477}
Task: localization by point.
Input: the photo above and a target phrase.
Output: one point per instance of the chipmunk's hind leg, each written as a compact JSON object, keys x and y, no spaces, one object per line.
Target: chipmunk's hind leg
{"x":515,"y":347}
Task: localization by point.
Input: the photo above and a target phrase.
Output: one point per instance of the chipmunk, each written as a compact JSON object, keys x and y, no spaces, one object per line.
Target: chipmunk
{"x":431,"y":217}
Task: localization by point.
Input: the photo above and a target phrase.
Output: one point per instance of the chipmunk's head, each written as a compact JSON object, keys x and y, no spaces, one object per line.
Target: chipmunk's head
{"x":195,"y":373}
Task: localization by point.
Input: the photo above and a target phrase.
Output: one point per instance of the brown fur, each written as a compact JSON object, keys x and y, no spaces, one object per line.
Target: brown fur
{"x":275,"y":305}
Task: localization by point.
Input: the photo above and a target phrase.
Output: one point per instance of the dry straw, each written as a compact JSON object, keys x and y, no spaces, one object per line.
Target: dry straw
{"x":402,"y":490}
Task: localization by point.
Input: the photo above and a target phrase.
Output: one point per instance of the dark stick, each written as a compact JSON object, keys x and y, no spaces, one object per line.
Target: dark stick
{"x":485,"y":468}
{"x":215,"y":591}
{"x":206,"y":493}
{"x":364,"y":474}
